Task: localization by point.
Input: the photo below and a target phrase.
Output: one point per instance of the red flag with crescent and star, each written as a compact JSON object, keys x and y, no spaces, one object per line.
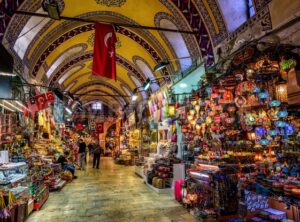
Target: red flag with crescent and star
{"x":104,"y":60}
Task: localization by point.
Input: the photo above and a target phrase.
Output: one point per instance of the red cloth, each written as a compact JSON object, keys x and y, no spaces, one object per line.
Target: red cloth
{"x":50,"y":97}
{"x":178,"y":189}
{"x":41,"y":102}
{"x":104,"y":60}
{"x":99,"y":127}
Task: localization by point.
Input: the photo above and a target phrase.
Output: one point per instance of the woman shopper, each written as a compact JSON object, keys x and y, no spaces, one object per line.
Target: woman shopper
{"x":82,"y":154}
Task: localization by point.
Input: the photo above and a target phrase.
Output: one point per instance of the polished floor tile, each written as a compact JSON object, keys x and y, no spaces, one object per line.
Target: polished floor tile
{"x":112,"y":194}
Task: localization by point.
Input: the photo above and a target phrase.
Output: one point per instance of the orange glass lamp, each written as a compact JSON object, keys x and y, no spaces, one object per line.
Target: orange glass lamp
{"x":171,"y":110}
{"x":251,"y":136}
{"x":281,"y":91}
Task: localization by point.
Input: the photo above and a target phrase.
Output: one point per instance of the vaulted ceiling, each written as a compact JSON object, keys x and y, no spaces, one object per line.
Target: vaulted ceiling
{"x":59,"y":53}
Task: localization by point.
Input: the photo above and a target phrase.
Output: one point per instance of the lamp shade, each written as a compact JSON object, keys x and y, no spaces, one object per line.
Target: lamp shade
{"x":171,"y":110}
{"x":281,"y":92}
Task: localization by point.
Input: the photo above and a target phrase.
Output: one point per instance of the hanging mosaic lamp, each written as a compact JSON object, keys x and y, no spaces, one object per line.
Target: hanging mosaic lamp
{"x":208,"y":120}
{"x":273,"y":132}
{"x":208,"y":90}
{"x":202,"y":103}
{"x":281,"y":90}
{"x":192,"y":112}
{"x":257,"y":90}
{"x":275,"y":103}
{"x":260,"y":131}
{"x":251,"y":136}
{"x":197,"y":108}
{"x":240,"y":101}
{"x":171,"y":110}
{"x":280,"y":123}
{"x":282,"y":114}
{"x":289,"y":129}
{"x":264,"y":142}
{"x":263,"y":95}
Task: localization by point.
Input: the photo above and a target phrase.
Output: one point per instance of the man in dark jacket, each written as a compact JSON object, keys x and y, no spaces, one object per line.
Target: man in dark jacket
{"x":82,"y":154}
{"x":97,"y":153}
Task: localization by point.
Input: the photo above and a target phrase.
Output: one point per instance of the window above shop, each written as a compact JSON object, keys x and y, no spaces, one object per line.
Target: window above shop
{"x":97,"y":106}
{"x":236,"y":13}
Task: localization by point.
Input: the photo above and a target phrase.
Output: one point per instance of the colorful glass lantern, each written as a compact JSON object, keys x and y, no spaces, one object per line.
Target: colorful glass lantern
{"x":227,"y":95}
{"x":251,"y":136}
{"x":192,"y":112}
{"x":197,"y":108}
{"x":257,"y":90}
{"x":190,"y":118}
{"x":274,"y":103}
{"x":171,"y":110}
{"x":194,"y":102}
{"x":240,"y":101}
{"x":208,"y":120}
{"x":282,"y":114}
{"x":264,"y":142}
{"x":289,"y":129}
{"x":202,"y":103}
{"x":199,"y":121}
{"x":198,"y":127}
{"x":280,"y":123}
{"x":231,"y":109}
{"x":208,"y":90}
{"x":260,"y":131}
{"x":263,"y":95}
{"x":273,"y":132}
{"x":281,"y":91}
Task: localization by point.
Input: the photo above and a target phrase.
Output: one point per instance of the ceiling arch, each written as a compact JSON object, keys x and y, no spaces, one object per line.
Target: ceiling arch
{"x":53,"y":50}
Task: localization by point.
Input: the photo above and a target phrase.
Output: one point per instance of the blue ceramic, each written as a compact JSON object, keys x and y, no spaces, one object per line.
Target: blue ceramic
{"x":275,"y":103}
{"x":282,"y":114}
{"x":260,"y":131}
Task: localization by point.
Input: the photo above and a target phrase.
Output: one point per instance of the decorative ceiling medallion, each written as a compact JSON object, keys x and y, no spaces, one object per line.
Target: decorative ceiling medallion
{"x":111,"y":3}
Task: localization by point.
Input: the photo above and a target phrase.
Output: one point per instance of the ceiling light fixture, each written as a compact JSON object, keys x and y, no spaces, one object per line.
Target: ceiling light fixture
{"x":166,"y":62}
{"x":7,"y":74}
{"x":13,"y":106}
{"x":134,"y":95}
{"x":22,"y":105}
{"x":68,"y":110}
{"x":147,"y":84}
{"x":5,"y":107}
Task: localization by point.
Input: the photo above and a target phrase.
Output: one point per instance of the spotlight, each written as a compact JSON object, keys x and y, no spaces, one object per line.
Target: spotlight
{"x":161,"y":65}
{"x":147,"y":84}
{"x":134,"y":95}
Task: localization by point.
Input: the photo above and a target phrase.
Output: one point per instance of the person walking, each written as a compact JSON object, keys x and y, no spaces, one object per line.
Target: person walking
{"x":97,"y":153}
{"x":82,"y":154}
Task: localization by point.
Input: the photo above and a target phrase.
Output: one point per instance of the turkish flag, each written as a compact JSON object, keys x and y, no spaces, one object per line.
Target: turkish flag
{"x":104,"y":60}
{"x":50,"y":96}
{"x":41,"y":102}
{"x":99,"y":127}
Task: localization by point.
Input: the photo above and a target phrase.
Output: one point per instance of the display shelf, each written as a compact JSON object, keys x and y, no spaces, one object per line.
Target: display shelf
{"x":139,"y":170}
{"x":40,"y":203}
{"x":9,"y":166}
{"x":159,"y":191}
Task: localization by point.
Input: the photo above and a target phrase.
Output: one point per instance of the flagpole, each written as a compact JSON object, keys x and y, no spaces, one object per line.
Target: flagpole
{"x":112,"y":23}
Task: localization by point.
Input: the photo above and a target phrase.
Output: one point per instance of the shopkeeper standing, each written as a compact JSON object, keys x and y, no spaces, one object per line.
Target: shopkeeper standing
{"x":82,"y":154}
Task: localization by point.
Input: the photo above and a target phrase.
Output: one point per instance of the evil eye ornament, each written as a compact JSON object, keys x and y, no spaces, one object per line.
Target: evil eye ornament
{"x":282,"y":114}
{"x":274,"y":103}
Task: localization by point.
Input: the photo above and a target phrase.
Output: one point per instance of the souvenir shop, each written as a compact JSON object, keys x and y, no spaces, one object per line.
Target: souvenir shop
{"x":231,"y":145}
{"x":32,"y":137}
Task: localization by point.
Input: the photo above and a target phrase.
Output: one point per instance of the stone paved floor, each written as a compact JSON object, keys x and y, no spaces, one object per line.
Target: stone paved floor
{"x":112,"y":194}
